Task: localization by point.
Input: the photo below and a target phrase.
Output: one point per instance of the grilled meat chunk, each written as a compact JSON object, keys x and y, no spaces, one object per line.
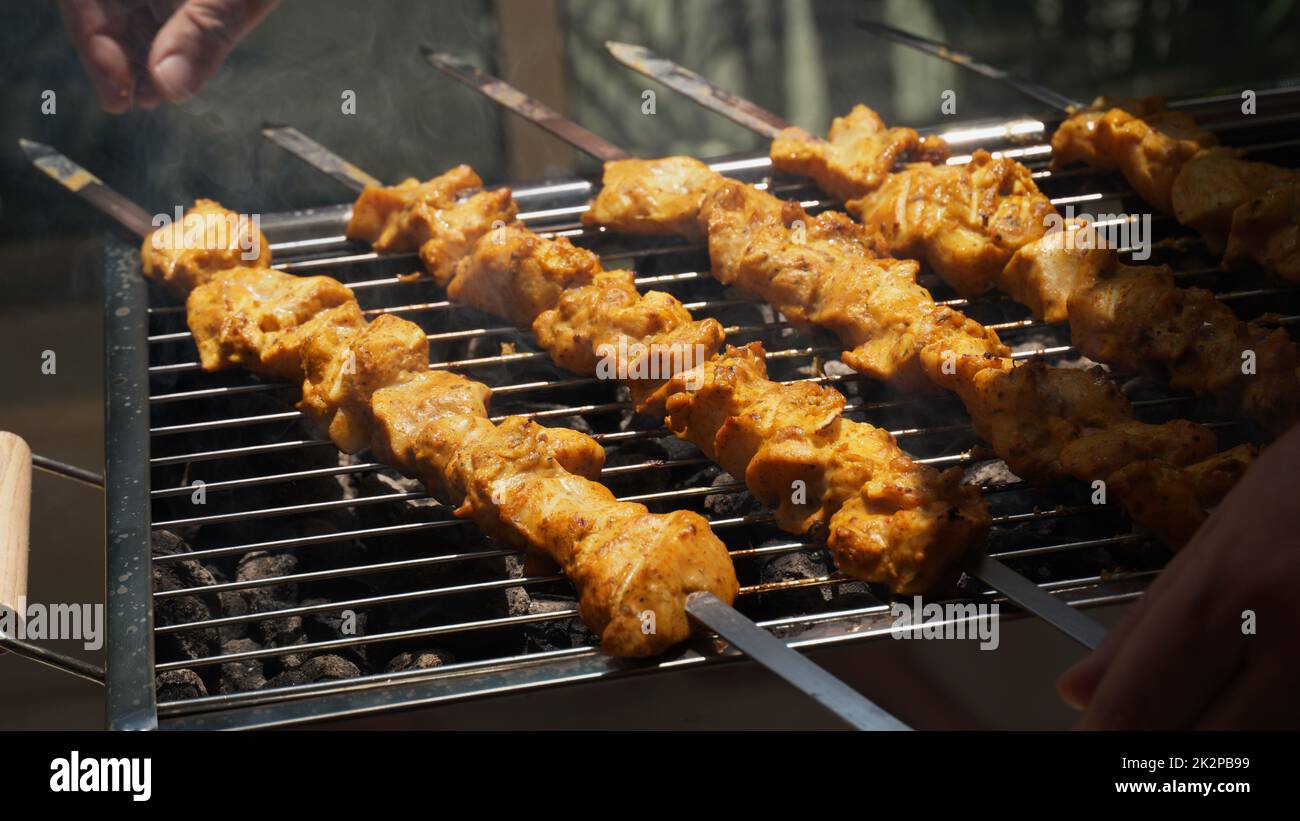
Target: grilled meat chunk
{"x":858,"y":155}
{"x":1140,"y":138}
{"x":888,"y":519}
{"x":965,"y":221}
{"x":208,"y":238}
{"x":660,"y":196}
{"x":1134,"y":317}
{"x":440,"y":218}
{"x":1266,"y":230}
{"x":824,"y":271}
{"x":260,"y":318}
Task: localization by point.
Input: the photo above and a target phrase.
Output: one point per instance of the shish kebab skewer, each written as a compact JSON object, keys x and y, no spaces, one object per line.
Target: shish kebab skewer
{"x":1246,"y":211}
{"x":1078,"y":424}
{"x":370,"y":384}
{"x":887,"y":519}
{"x":1015,"y":587}
{"x":1133,"y":317}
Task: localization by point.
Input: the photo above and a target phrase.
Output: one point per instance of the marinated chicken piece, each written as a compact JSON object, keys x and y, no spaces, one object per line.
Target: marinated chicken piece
{"x":1135,"y":318}
{"x":395,"y":218}
{"x":859,"y":154}
{"x":1044,"y":273}
{"x":1177,"y":510}
{"x":259,"y":318}
{"x":660,"y":196}
{"x":582,"y":315}
{"x":1215,"y":475}
{"x":516,"y":274}
{"x":208,"y":238}
{"x":965,"y":221}
{"x":1215,"y":183}
{"x":342,"y":373}
{"x":609,"y":329}
{"x":1142,"y":139}
{"x":1266,"y":231}
{"x":888,"y":519}
{"x":439,"y":218}
{"x":372,"y":383}
{"x":824,"y":271}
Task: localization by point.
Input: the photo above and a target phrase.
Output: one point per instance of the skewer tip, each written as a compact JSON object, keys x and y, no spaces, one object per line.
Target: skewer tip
{"x":33,"y":149}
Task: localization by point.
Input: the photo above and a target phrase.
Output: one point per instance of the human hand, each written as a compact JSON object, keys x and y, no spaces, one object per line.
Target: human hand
{"x":1183,"y":657}
{"x":140,"y":52}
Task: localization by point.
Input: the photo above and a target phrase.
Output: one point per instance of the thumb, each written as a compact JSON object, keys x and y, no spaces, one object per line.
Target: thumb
{"x":196,"y":40}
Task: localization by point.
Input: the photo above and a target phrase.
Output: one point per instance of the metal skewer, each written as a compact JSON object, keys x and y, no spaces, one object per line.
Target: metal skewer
{"x":943,"y":51}
{"x":846,"y":703}
{"x":1001,"y":578}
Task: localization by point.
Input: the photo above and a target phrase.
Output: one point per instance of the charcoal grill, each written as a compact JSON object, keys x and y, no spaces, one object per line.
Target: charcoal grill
{"x":421,"y":581}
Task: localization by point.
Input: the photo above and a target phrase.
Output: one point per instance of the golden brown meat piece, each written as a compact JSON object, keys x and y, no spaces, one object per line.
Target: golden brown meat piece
{"x":858,"y":155}
{"x":965,"y":221}
{"x":610,"y":329}
{"x":1142,"y":139}
{"x":1135,"y":318}
{"x":259,"y":318}
{"x":342,"y":373}
{"x":515,"y":480}
{"x":516,"y":274}
{"x":1044,"y":273}
{"x":1214,"y":184}
{"x":208,"y":238}
{"x":888,"y":519}
{"x":660,"y":196}
{"x":824,"y":271}
{"x":440,"y":218}
{"x":583,"y":315}
{"x":1175,"y":512}
{"x":1266,"y":230}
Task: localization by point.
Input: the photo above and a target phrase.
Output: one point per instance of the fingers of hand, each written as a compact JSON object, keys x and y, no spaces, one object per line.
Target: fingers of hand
{"x":98,"y":30}
{"x":196,"y":40}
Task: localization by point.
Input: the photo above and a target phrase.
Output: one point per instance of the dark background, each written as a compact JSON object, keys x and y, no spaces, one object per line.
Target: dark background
{"x":802,"y":59}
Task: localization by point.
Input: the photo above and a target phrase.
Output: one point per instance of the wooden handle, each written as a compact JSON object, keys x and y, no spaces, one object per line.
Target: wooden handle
{"x":15,"y":516}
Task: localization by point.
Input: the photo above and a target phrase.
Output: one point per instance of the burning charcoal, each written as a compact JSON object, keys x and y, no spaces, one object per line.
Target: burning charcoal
{"x":731,"y":503}
{"x":803,"y":564}
{"x":561,"y":634}
{"x":331,"y":625}
{"x":233,"y":604}
{"x":420,"y":660}
{"x":282,"y":632}
{"x":182,"y":575}
{"x":241,"y":676}
{"x":320,"y":668}
{"x":179,"y":685}
{"x":259,"y":565}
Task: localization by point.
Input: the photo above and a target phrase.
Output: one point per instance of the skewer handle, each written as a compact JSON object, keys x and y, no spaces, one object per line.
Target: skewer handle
{"x":15,"y":517}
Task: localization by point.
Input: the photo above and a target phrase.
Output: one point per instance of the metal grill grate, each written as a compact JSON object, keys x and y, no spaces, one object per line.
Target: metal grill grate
{"x":347,"y":534}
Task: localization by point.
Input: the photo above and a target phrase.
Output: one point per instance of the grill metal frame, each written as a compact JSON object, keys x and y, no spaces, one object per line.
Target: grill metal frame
{"x":299,"y":239}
